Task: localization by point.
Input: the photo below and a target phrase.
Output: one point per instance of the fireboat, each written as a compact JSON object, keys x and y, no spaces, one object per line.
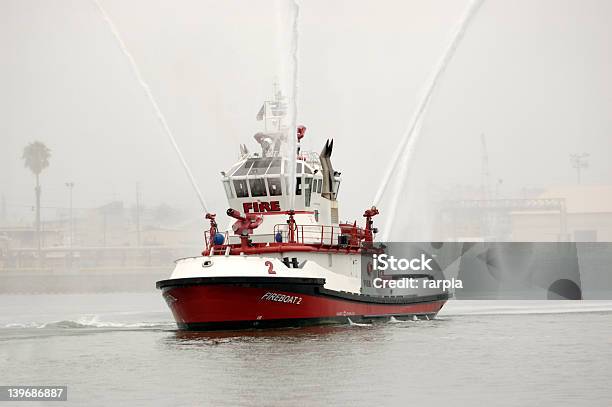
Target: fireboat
{"x":303,"y":266}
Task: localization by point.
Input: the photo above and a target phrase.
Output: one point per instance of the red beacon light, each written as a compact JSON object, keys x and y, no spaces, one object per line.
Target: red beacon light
{"x":301,"y":132}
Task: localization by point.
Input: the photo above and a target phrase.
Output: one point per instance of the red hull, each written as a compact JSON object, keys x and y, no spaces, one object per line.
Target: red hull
{"x":229,"y":306}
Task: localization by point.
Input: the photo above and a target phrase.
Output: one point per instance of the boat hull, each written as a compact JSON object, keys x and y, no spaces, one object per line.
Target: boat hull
{"x":227,"y":303}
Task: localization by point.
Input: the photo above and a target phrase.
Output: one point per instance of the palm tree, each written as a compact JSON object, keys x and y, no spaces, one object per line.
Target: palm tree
{"x":36,"y":158}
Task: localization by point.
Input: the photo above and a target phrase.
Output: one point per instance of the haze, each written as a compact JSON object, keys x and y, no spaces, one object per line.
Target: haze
{"x":533,"y":76}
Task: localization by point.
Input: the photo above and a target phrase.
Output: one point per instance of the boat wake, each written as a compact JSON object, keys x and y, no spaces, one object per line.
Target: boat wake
{"x":394,"y":320}
{"x":351,"y":323}
{"x":91,"y":322}
{"x":510,"y":307}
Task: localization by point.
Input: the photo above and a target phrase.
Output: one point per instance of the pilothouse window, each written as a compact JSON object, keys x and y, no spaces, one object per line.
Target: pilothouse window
{"x":307,"y":190}
{"x":244,"y":169}
{"x":258,"y":187}
{"x":260,"y":166}
{"x":336,"y":186}
{"x":228,"y":189}
{"x":275,"y":166}
{"x":240,"y":186}
{"x":274,"y":185}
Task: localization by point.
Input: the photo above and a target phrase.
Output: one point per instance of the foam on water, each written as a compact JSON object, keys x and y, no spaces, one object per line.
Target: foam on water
{"x":510,"y":307}
{"x":91,"y":321}
{"x":351,"y":323}
{"x":394,"y":320}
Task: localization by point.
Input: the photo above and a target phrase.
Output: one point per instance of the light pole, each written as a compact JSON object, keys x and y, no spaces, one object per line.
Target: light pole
{"x":138,"y":241}
{"x":70,"y":186}
{"x":579,"y":161}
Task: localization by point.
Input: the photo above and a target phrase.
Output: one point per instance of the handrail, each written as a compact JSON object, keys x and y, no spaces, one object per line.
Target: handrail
{"x":313,"y":235}
{"x":321,"y":234}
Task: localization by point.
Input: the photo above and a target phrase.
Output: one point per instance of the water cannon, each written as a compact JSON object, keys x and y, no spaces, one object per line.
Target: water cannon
{"x":369,"y":229}
{"x":291,"y":226}
{"x":244,"y":225}
{"x":233,"y":213}
{"x":370,"y":213}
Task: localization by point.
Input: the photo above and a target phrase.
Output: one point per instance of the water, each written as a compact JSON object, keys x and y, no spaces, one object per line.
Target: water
{"x":147,"y":90}
{"x":295,"y":41}
{"x":405,"y":150}
{"x":288,"y":38}
{"x":123,"y":349}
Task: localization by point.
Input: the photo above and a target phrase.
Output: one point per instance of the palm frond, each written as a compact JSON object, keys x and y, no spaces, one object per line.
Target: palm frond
{"x":36,"y":157}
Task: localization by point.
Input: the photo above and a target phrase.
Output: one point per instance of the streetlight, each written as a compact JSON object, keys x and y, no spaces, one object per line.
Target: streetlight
{"x":70,"y":186}
{"x":579,"y":161}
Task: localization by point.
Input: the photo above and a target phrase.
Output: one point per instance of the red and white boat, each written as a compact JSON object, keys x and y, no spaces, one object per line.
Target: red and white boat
{"x":281,"y":267}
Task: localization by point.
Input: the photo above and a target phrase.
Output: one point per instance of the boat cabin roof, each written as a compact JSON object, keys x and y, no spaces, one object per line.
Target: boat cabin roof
{"x":260,"y":166}
{"x":256,"y":176}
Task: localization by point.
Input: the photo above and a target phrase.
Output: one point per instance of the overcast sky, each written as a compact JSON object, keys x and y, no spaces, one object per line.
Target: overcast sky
{"x":533,"y":76}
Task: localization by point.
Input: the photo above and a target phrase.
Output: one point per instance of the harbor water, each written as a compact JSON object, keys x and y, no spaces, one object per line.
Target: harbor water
{"x":124,"y":349}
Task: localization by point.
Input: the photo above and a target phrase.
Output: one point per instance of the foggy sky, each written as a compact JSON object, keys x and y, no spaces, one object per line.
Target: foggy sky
{"x":533,"y":76}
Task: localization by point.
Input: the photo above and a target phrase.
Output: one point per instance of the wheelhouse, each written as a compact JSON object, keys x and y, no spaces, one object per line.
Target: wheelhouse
{"x":257,"y":178}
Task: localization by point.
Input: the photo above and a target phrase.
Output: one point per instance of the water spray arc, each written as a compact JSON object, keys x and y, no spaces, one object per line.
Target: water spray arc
{"x":293,"y":65}
{"x":153,"y":101}
{"x":400,"y":180}
{"x":410,"y":138}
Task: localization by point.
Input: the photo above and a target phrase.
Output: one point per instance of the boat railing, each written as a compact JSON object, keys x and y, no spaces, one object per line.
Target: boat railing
{"x":231,"y":240}
{"x":321,"y":235}
{"x":315,"y":235}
